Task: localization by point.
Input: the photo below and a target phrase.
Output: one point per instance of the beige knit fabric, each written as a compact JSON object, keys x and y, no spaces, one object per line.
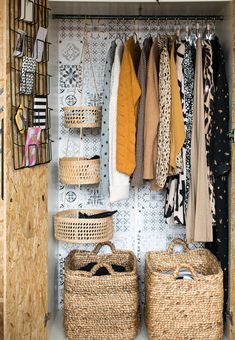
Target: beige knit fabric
{"x":151,"y":114}
{"x":199,"y":217}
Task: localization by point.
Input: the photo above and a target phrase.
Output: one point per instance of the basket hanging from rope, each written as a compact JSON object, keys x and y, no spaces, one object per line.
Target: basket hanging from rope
{"x":84,"y":116}
{"x":79,"y":170}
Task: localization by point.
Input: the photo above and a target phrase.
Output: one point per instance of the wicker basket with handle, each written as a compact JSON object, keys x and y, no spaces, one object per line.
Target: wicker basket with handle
{"x":79,"y":170}
{"x":70,"y":228}
{"x":102,"y":307}
{"x":183,"y":309}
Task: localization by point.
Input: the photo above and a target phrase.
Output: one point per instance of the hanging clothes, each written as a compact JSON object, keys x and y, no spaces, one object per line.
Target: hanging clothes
{"x":177,"y":129}
{"x":163,"y":142}
{"x":208,"y":106}
{"x":118,"y":182}
{"x":137,"y":179}
{"x":129,"y":93}
{"x":188,"y":67}
{"x":175,"y":186}
{"x":199,"y":217}
{"x":220,"y":162}
{"x":151,"y":114}
{"x":104,"y":153}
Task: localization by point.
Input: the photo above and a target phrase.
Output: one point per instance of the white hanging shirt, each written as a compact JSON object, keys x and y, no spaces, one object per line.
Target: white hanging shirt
{"x":118,"y":182}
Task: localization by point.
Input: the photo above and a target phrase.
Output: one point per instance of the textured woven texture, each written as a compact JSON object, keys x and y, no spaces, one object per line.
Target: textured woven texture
{"x":75,"y":170}
{"x":70,"y":228}
{"x":101,"y":307}
{"x":183,"y":309}
{"x":82,"y":116}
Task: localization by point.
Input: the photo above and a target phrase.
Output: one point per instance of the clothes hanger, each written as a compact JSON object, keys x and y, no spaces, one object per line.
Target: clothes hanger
{"x":184,"y":35}
{"x":148,"y":36}
{"x":209,"y":33}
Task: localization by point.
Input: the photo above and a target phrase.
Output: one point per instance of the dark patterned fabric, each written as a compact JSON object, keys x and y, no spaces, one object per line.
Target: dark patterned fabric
{"x":219,"y":161}
{"x":189,"y":73}
{"x":178,"y":185}
{"x":104,"y":153}
{"x":175,"y":185}
{"x":208,"y":111}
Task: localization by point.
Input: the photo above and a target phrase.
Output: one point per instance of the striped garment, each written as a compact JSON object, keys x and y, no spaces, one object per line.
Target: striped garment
{"x":40,"y":112}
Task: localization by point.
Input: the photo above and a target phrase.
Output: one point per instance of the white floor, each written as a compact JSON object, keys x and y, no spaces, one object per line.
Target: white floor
{"x":57,"y":331}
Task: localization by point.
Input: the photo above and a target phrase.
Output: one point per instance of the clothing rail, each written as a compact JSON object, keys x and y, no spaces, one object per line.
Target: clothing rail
{"x":140,"y":17}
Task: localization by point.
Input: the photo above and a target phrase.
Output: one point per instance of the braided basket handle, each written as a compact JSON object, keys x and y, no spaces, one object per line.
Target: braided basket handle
{"x":100,"y":245}
{"x":177,"y":241}
{"x":185,"y":266}
{"x":101,"y":265}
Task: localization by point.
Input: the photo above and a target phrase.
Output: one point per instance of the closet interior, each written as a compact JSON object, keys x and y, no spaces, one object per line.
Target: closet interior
{"x":139,"y":224}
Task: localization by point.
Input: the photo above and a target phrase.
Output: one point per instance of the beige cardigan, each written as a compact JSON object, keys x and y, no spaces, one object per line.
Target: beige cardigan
{"x":199,"y":216}
{"x":151,"y":114}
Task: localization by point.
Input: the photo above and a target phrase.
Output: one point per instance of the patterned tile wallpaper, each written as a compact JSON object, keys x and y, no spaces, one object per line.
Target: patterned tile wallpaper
{"x":139,"y":223}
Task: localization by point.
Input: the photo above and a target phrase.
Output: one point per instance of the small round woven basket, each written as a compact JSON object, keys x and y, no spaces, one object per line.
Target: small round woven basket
{"x":79,"y":170}
{"x":70,"y":228}
{"x":82,"y":116}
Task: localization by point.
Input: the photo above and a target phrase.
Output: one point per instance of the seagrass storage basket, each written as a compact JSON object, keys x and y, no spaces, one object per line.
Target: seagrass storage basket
{"x":82,"y":116}
{"x":79,"y":170}
{"x":183,"y":309}
{"x":104,"y":307}
{"x":70,"y":228}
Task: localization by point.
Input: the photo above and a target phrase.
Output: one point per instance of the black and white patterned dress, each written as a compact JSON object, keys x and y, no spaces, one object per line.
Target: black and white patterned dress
{"x":178,"y":185}
{"x":208,"y":111}
{"x":220,"y":162}
{"x":175,"y":186}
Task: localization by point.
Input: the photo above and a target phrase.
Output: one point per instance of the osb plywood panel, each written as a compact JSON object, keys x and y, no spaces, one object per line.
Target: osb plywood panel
{"x":26,"y":243}
{"x":1,"y":320}
{"x":232,"y":249}
{"x":2,"y":105}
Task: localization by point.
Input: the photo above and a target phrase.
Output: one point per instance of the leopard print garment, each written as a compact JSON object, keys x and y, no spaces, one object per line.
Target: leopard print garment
{"x":163,"y":142}
{"x":189,"y":73}
{"x":208,"y":107}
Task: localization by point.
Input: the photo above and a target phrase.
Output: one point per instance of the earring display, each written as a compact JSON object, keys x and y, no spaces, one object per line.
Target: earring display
{"x":27,"y":75}
{"x":39,"y":44}
{"x":19,"y":48}
{"x":40,"y":112}
{"x":27,"y":10}
{"x":31,"y":145}
{"x":30,"y":84}
{"x":21,"y":119}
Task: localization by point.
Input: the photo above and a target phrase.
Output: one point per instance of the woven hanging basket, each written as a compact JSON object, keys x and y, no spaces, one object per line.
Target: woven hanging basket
{"x":183,"y":309}
{"x":102,"y":307}
{"x":79,"y":170}
{"x":69,"y":228}
{"x":82,"y":116}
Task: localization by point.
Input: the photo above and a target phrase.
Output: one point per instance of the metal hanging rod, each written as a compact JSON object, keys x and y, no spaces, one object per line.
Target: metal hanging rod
{"x":140,"y":17}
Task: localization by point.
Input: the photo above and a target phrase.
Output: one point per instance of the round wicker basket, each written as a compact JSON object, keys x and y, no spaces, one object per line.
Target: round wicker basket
{"x":82,"y":116}
{"x":70,"y":228}
{"x":79,"y":170}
